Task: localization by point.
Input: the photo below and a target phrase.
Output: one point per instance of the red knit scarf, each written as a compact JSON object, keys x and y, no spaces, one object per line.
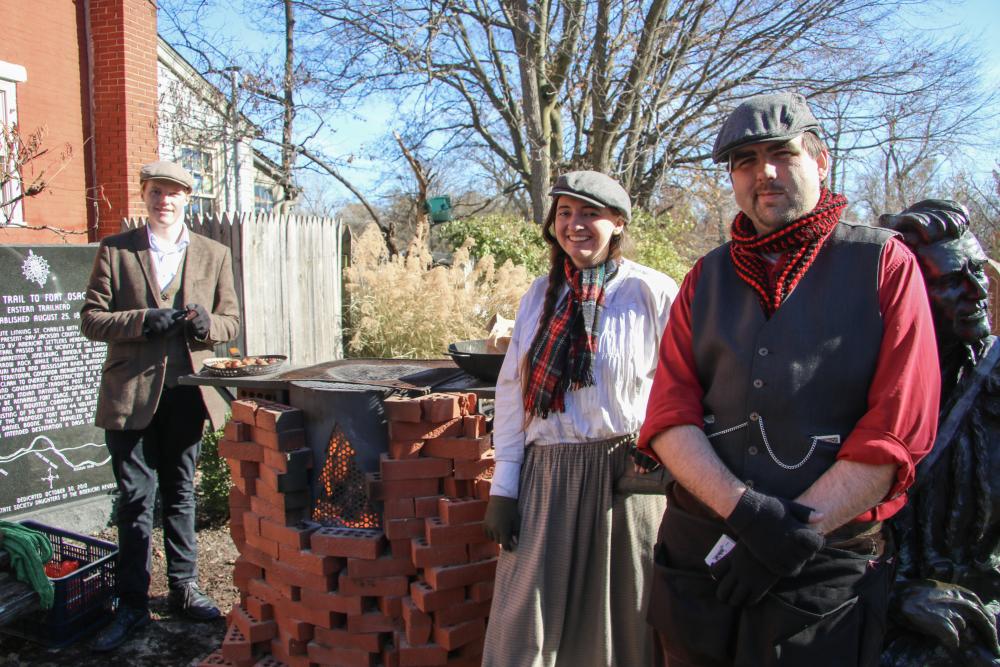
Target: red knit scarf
{"x":801,"y":238}
{"x":561,"y":357}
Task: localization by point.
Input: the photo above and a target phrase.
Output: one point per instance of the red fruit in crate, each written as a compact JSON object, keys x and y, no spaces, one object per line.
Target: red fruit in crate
{"x":60,"y":569}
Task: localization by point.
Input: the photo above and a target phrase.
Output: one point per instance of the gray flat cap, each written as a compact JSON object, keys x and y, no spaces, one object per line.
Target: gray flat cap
{"x":595,"y":188}
{"x":776,"y":117}
{"x":164,"y":170}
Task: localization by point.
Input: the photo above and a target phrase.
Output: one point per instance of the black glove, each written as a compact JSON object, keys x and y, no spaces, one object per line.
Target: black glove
{"x":743,"y":580}
{"x":200,"y":324}
{"x":502,"y":522}
{"x":158,"y":321}
{"x":775,"y":531}
{"x":646,"y":462}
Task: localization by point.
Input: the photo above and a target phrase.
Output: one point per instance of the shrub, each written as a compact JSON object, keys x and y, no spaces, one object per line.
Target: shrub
{"x":505,"y":237}
{"x":404,"y":307}
{"x":212,"y":491}
{"x":660,"y":242}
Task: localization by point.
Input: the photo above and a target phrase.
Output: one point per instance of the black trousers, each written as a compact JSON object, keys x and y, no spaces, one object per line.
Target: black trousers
{"x":165,"y":452}
{"x":831,"y":615}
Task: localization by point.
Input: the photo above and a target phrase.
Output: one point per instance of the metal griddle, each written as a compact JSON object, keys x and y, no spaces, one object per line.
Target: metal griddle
{"x":408,"y":374}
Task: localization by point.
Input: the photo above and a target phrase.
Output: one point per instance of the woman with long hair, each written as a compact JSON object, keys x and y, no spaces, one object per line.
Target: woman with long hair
{"x":572,"y":582}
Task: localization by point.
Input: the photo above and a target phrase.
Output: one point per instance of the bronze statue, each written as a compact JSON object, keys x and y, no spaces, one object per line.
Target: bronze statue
{"x":946,"y":597}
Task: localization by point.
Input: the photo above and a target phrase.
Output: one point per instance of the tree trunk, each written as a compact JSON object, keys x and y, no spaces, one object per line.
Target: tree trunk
{"x":531,"y":67}
{"x":422,"y":229}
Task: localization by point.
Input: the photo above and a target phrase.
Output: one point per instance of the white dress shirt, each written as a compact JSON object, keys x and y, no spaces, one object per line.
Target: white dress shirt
{"x":636,"y":305}
{"x":167,"y":257}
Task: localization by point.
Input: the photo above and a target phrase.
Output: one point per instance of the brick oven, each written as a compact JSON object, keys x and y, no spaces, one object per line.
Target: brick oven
{"x":358,"y":518}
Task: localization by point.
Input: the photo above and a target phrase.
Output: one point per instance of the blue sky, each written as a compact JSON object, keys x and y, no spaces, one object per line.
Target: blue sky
{"x":978,"y":20}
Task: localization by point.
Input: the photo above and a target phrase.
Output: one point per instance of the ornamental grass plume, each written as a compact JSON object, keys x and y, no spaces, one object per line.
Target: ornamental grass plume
{"x":405,"y":307}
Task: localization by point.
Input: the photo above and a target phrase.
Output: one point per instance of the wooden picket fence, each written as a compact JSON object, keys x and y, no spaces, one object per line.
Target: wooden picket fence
{"x":288,"y":271}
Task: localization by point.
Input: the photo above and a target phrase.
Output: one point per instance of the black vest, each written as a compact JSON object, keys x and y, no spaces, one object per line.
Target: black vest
{"x":804,"y":374}
{"x":178,"y":357}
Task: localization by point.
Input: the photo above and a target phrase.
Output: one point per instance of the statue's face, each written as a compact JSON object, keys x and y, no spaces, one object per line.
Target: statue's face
{"x":957,"y":287}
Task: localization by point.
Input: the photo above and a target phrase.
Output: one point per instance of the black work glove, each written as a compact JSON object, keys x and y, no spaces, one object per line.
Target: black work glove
{"x":158,"y":321}
{"x":644,"y":461}
{"x":502,"y":522}
{"x":775,"y":531}
{"x":200,"y":324}
{"x":743,"y":580}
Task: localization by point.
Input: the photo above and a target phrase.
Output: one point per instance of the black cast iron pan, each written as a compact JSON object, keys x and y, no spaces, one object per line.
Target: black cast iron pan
{"x":471,"y":356}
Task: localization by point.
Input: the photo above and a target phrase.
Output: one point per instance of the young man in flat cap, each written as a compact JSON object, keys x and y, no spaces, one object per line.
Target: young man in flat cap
{"x":797,"y":389}
{"x":161,"y":298}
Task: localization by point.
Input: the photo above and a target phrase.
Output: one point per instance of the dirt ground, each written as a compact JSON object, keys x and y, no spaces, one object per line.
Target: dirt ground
{"x":170,"y":640}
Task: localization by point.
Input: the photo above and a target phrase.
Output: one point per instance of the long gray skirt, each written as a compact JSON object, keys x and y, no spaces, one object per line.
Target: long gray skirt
{"x":574,"y":592}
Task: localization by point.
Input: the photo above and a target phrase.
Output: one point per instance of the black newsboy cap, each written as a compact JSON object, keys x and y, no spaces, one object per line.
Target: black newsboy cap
{"x":774,"y":117}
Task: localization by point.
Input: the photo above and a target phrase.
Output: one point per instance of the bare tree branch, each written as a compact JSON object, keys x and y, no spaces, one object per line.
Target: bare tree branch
{"x":24,"y":173}
{"x":637,"y":88}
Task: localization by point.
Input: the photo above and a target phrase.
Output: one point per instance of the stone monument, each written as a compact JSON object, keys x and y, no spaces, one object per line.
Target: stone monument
{"x":51,"y":454}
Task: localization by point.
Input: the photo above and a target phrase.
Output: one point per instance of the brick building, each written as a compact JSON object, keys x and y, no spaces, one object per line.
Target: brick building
{"x":88,"y":75}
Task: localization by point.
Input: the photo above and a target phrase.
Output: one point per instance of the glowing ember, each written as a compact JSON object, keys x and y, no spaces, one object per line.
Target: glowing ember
{"x":345,"y":501}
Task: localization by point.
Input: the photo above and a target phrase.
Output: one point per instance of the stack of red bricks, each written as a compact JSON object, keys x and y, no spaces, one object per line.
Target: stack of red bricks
{"x":415,"y":593}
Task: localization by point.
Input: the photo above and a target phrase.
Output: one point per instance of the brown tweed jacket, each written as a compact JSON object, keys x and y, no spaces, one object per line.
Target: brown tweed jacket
{"x":122,"y":286}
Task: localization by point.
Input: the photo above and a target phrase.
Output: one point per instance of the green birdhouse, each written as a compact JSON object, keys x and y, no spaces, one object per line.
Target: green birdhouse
{"x":439,"y":208}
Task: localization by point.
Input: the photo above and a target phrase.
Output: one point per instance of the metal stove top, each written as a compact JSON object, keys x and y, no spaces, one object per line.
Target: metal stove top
{"x":414,"y":374}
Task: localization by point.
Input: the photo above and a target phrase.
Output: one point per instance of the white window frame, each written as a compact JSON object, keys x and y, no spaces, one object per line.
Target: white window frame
{"x":259,"y":203}
{"x":10,"y":76}
{"x":198,"y":195}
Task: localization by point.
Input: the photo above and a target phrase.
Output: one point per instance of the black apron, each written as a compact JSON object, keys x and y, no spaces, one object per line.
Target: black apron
{"x":832,"y":614}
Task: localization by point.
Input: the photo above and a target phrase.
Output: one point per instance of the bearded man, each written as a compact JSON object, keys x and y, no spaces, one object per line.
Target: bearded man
{"x":796,"y":391}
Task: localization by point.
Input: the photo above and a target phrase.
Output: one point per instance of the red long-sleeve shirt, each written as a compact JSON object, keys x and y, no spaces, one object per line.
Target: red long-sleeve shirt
{"x":901,"y":421}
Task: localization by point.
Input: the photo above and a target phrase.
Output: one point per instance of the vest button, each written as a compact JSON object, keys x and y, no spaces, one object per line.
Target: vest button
{"x":754,"y":416}
{"x":758,"y":383}
{"x":752,"y":451}
{"x":763,"y":351}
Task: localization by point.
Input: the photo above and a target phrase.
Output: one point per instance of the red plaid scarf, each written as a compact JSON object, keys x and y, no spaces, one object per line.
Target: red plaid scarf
{"x":802,"y":238}
{"x":562,"y":355}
